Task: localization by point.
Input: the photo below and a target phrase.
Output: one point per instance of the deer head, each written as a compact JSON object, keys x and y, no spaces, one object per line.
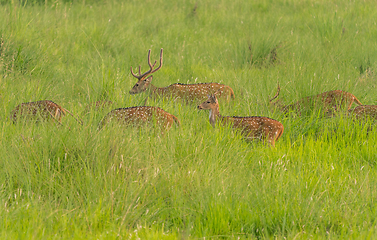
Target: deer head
{"x":213,"y":105}
{"x":143,"y":80}
{"x":210,"y":103}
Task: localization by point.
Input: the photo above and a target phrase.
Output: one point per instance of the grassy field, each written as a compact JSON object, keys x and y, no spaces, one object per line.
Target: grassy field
{"x":72,"y":181}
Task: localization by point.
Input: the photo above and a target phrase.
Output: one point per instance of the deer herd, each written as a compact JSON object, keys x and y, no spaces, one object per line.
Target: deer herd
{"x":254,"y":127}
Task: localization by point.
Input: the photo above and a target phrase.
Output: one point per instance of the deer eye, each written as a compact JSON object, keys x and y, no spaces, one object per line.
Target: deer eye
{"x":136,"y":84}
{"x":208,"y":102}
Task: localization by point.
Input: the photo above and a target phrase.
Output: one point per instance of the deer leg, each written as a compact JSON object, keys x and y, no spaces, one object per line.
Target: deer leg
{"x":351,"y":102}
{"x":270,"y":136}
{"x":53,"y":117}
{"x":272,"y":142}
{"x":57,"y":114}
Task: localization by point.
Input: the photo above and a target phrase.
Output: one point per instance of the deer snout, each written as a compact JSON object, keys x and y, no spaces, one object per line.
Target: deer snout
{"x":200,"y":107}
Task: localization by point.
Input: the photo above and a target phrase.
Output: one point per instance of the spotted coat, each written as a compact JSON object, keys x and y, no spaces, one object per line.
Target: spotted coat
{"x":254,"y":127}
{"x":139,"y":116}
{"x":187,"y":92}
{"x":364,"y":111}
{"x":39,"y":110}
{"x":330,"y":102}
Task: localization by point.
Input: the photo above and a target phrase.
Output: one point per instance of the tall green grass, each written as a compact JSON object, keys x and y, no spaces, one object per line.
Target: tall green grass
{"x":74,"y":181}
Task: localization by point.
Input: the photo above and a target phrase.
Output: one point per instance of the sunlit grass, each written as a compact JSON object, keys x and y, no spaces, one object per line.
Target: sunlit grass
{"x":73,"y":181}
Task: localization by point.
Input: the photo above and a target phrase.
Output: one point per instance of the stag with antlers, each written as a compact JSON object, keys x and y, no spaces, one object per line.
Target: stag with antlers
{"x":255,"y":127}
{"x":330,"y":102}
{"x":187,"y":92}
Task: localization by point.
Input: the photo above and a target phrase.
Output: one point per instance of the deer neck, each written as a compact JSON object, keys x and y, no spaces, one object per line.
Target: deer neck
{"x":213,"y":115}
{"x":152,"y":88}
{"x":161,"y":92}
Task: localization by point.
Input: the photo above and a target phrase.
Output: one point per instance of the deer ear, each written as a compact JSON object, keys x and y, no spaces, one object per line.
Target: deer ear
{"x":149,"y":79}
{"x":213,"y":98}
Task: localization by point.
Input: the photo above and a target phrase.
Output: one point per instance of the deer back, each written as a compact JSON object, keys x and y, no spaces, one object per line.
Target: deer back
{"x":250,"y":127}
{"x":338,"y":99}
{"x":195,"y":92}
{"x":39,"y":110}
{"x":364,"y":111}
{"x":138,"y":116}
{"x":263,"y":128}
{"x":330,"y":101}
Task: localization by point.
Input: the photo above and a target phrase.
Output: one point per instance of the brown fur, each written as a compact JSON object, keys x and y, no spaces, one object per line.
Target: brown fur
{"x":251,"y":127}
{"x":331,"y":101}
{"x":39,"y":110}
{"x":138,"y":116}
{"x":187,"y":92}
{"x":364,"y":111}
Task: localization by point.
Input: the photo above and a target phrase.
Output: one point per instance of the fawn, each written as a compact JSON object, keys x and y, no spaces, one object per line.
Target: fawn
{"x":251,"y":127}
{"x":187,"y":92}
{"x":331,"y":101}
{"x":40,"y":110}
{"x":364,"y":111}
{"x":138,"y":116}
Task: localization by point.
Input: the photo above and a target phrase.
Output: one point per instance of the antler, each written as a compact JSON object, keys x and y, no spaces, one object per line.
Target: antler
{"x":150,"y":71}
{"x":277,"y":93}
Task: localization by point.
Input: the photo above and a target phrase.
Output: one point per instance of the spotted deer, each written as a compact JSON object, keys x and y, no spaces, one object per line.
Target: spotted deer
{"x":254,"y":127}
{"x":40,"y":110}
{"x":187,"y":92}
{"x":139,"y":116}
{"x":331,"y":102}
{"x":364,"y":111}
